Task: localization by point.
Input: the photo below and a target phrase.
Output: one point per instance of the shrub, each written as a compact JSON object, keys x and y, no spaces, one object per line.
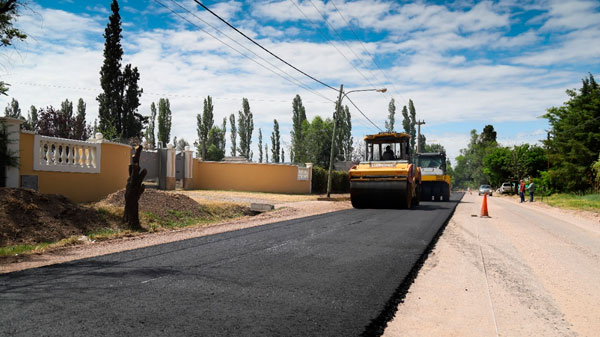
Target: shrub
{"x":339,"y":181}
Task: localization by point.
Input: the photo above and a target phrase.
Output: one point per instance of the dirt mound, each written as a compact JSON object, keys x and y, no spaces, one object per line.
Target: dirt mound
{"x":165,"y":205}
{"x":29,"y":217}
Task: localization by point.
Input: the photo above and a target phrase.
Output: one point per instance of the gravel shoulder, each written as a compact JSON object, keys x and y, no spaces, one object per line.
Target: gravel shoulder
{"x":529,"y":270}
{"x":287,"y":207}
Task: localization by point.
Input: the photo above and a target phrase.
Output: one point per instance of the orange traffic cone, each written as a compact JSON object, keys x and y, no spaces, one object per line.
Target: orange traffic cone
{"x":484,"y":210}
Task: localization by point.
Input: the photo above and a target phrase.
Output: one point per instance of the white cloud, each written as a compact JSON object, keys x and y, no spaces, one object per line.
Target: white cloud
{"x":572,"y":15}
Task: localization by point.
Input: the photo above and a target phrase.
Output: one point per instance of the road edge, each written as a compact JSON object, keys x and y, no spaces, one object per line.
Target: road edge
{"x":377,"y":326}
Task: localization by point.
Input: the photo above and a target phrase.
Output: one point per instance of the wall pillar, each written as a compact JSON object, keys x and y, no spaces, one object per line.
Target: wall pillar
{"x":13,"y":129}
{"x":309,"y":167}
{"x":188,"y":169}
{"x":170,"y":180}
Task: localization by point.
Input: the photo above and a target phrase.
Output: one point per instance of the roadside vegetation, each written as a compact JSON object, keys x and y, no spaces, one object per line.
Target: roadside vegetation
{"x":31,"y":222}
{"x":566,"y":167}
{"x":587,"y":202}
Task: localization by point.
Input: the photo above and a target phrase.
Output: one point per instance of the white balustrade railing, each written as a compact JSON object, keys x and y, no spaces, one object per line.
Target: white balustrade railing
{"x":65,"y":155}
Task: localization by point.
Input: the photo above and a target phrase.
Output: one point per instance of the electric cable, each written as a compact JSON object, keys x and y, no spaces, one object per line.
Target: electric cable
{"x":263,"y":48}
{"x":367,"y":51}
{"x":362,"y":113}
{"x":239,"y":44}
{"x":331,"y":43}
{"x":241,"y":53}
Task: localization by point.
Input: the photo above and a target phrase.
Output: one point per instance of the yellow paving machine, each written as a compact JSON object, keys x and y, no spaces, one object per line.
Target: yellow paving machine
{"x":386,"y":173}
{"x":436,"y":183}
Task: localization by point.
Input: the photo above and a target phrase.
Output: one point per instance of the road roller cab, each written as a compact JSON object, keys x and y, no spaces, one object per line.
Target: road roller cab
{"x":386,"y":174}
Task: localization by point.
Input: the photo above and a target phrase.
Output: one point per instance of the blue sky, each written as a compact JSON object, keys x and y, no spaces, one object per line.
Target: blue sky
{"x":465,"y":64}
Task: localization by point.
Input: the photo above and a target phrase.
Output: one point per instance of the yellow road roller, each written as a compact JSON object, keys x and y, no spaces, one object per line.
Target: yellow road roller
{"x":386,"y":175}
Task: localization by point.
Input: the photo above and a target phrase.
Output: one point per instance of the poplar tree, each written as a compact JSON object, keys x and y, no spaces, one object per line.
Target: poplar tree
{"x":164,"y":121}
{"x":260,"y":151}
{"x":245,"y":128}
{"x":389,"y":124}
{"x":80,"y":129}
{"x":266,"y":153}
{"x":120,"y":97}
{"x":275,"y":142}
{"x":205,"y":124}
{"x":32,"y":119}
{"x":282,"y":155}
{"x":298,"y":152}
{"x":233,"y":134}
{"x":13,"y":110}
{"x":405,"y":120}
{"x":413,"y":122}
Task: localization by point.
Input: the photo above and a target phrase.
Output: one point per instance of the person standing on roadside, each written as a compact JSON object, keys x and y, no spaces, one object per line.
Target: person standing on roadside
{"x":522,"y":190}
{"x":531,"y":191}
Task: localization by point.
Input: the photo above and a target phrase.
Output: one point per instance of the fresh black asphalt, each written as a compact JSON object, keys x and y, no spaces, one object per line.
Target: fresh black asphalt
{"x":324,"y":275}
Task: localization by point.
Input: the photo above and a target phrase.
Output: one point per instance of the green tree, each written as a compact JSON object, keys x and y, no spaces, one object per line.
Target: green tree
{"x":389,"y":124}
{"x":275,"y":142}
{"x":282,"y":155}
{"x":181,"y":144}
{"x":469,"y":170}
{"x":260,"y":144}
{"x":9,"y":11}
{"x":151,"y":126}
{"x":405,"y":120}
{"x":164,"y":121}
{"x":13,"y":110}
{"x":32,"y":119}
{"x":245,"y":128}
{"x":318,"y":139}
{"x":120,"y":95}
{"x":574,"y":141}
{"x":205,"y":124}
{"x":413,"y":121}
{"x":266,"y":153}
{"x":434,"y":148}
{"x":80,"y":130}
{"x":233,"y":135}
{"x":343,"y":146}
{"x":298,"y":152}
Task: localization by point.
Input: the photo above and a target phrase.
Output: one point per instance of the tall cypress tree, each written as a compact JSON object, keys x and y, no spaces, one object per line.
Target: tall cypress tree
{"x":275,"y":142}
{"x":80,"y":129}
{"x":205,"y":124}
{"x":233,"y":134}
{"x":413,"y":122}
{"x":389,"y":124}
{"x":260,"y":150}
{"x":298,"y":152}
{"x":245,"y":128}
{"x":120,"y":95}
{"x":164,"y":121}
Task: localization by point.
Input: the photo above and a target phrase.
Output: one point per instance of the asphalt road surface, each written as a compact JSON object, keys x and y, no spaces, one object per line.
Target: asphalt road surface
{"x":326,"y":275}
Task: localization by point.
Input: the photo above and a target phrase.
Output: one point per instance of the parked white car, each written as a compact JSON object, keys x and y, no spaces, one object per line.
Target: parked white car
{"x":506,"y":188}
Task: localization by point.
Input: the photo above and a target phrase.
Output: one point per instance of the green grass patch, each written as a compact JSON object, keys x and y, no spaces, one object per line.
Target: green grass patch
{"x":587,"y":202}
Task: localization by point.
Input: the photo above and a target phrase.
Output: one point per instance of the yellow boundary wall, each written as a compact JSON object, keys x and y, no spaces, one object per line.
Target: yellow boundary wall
{"x":250,"y":177}
{"x":80,"y":187}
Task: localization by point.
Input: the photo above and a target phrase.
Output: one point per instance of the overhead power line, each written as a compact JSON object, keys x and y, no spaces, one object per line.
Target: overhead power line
{"x":263,"y":48}
{"x":362,"y":113}
{"x":367,"y":51}
{"x":293,"y":81}
{"x":341,"y":39}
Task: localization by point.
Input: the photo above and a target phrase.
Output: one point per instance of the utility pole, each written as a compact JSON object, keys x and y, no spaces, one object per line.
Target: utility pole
{"x":419,"y":135}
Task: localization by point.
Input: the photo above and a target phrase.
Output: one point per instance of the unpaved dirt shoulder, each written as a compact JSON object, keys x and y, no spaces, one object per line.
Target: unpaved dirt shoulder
{"x":523,"y":272}
{"x":285,"y":211}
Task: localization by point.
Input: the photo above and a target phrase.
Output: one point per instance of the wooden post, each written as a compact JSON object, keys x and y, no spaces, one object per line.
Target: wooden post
{"x":133,"y":191}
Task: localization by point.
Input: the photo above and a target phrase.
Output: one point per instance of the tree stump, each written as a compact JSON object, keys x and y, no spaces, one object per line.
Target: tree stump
{"x":133,"y":191}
